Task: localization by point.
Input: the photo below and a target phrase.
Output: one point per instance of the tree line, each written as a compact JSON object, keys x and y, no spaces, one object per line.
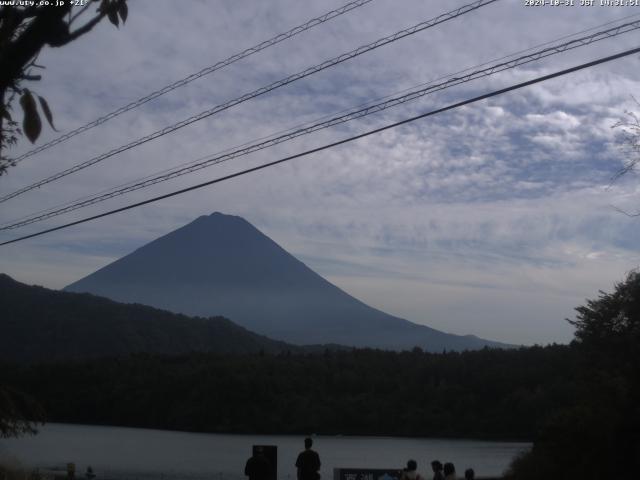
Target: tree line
{"x":487,"y":393}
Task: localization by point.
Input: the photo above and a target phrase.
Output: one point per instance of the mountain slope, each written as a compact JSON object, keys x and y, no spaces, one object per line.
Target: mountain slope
{"x":39,"y":324}
{"x":222,"y":265}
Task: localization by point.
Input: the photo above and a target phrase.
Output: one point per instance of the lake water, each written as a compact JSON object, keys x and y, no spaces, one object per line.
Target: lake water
{"x":134,"y":453}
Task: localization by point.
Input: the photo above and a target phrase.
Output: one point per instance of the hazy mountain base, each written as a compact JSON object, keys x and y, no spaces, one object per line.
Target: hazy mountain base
{"x":222,"y":265}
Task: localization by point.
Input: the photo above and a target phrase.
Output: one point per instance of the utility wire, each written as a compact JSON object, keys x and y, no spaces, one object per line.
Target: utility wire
{"x":318,"y":119}
{"x":310,"y":122}
{"x":261,"y":91}
{"x":194,"y":76}
{"x":290,"y":135}
{"x":207,"y":161}
{"x":335,"y":144}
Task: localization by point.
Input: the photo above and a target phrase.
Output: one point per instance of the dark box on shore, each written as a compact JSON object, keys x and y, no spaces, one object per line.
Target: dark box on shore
{"x":271,"y":452}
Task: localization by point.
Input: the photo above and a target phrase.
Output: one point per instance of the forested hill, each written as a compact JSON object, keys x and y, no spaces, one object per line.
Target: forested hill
{"x":38,"y":324}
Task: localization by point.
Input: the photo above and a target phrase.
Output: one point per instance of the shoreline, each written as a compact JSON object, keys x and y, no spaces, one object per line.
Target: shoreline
{"x":451,"y":438}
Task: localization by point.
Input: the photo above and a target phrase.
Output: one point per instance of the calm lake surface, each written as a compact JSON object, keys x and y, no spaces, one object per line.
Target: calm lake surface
{"x":116,"y":452}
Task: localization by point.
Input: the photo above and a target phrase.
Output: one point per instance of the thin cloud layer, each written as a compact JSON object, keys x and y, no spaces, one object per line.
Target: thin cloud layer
{"x":495,"y":219}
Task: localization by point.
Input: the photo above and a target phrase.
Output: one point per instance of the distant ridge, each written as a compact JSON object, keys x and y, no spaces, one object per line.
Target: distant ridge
{"x":38,"y":325}
{"x":222,"y":265}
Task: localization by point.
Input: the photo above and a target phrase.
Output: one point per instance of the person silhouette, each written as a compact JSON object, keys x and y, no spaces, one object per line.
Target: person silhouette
{"x":449,"y":471}
{"x":411,"y":472}
{"x":436,"y":466}
{"x":469,"y":474}
{"x":308,"y":462}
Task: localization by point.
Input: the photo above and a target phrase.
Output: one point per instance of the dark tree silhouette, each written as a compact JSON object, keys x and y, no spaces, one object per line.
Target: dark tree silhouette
{"x":24,"y":31}
{"x":599,"y":435}
{"x":628,"y":140}
{"x":610,"y":325}
{"x":20,"y":414}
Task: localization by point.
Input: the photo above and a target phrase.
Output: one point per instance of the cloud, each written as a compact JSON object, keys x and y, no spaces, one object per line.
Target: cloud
{"x":494,"y":219}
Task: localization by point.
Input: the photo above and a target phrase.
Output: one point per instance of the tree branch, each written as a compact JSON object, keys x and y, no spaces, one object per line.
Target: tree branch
{"x":86,"y":28}
{"x":41,"y":30}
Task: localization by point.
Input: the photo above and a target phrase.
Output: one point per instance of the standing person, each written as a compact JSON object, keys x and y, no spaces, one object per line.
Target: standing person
{"x":437,"y":470}
{"x":411,"y":472}
{"x":258,"y":466}
{"x":469,"y":474}
{"x":449,"y":471}
{"x":308,"y":462}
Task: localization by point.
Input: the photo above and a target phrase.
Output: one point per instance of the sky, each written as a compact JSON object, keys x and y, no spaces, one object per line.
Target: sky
{"x":495,"y":219}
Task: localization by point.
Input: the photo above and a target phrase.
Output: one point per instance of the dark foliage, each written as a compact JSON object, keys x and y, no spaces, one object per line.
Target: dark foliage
{"x":598,"y":434}
{"x":25,"y":29}
{"x":19,"y":413}
{"x":487,"y":393}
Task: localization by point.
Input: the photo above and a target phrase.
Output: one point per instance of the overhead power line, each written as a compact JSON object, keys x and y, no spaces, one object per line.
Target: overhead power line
{"x":335,"y":144}
{"x":359,"y":113}
{"x":261,"y":91}
{"x":314,"y":22}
